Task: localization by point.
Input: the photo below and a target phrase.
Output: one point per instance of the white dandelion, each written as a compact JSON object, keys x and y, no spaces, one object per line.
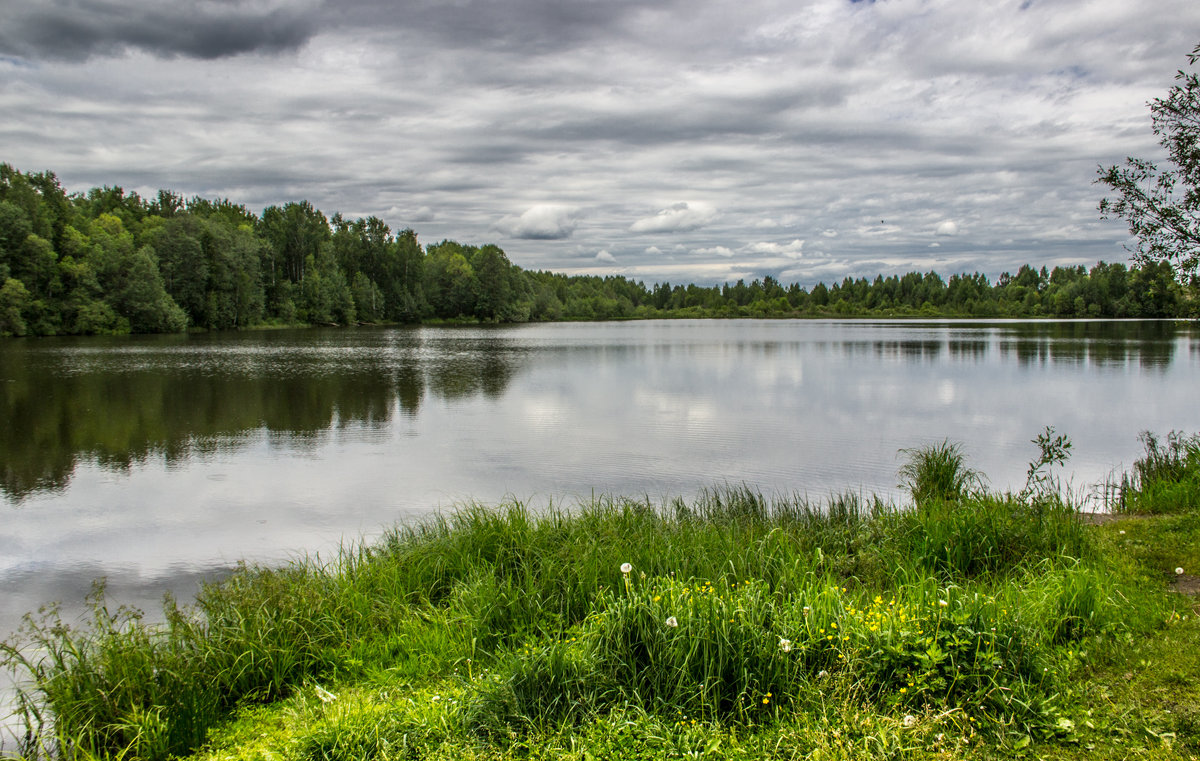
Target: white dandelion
{"x":671,"y":622}
{"x":785,"y":645}
{"x":626,"y":568}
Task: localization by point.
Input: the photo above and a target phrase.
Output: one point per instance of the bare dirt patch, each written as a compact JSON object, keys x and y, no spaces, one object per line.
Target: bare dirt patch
{"x":1103,"y":519}
{"x":1186,"y":583}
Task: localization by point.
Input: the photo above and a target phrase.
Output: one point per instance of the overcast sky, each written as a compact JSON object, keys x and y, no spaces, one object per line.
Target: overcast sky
{"x":690,"y":141}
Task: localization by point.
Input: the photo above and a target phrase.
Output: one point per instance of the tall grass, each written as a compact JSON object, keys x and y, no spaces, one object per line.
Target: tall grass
{"x":1165,"y":479}
{"x":938,"y":473}
{"x":736,"y":605}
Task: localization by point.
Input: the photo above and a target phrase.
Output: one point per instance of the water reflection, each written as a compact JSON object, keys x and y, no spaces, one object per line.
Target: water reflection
{"x":923,"y":350}
{"x":119,"y":402}
{"x":1149,"y":344}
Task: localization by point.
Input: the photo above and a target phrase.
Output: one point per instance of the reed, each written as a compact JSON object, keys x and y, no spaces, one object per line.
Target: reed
{"x":1165,"y":479}
{"x":938,"y":473}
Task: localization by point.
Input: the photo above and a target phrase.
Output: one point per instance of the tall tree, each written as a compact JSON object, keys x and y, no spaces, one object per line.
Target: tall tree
{"x":1162,"y":205}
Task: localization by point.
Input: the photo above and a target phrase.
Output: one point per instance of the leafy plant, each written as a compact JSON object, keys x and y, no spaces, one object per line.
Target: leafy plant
{"x":1040,"y":479}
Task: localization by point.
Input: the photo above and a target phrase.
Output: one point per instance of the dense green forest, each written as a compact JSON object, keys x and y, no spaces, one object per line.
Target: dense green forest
{"x":107,"y":261}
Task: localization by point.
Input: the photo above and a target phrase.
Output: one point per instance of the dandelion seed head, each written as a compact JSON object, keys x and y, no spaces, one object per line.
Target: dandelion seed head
{"x":1179,"y":571}
{"x":626,"y":567}
{"x":785,"y":645}
{"x":672,"y":622}
{"x":909,"y":720}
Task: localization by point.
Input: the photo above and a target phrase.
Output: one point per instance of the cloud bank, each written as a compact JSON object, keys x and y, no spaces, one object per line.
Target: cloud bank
{"x":806,"y":141}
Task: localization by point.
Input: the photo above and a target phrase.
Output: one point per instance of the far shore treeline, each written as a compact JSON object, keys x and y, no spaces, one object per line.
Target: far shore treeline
{"x":107,"y":261}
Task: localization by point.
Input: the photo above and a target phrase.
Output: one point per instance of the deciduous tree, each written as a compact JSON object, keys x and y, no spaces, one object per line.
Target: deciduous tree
{"x":1162,"y":205}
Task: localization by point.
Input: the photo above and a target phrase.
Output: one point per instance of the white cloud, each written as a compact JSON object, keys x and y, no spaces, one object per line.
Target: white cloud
{"x":947,"y":228}
{"x":715,"y":251}
{"x":542,"y":222}
{"x":679,"y":217}
{"x":787,"y":220}
{"x":654,"y":250}
{"x":420,"y":214}
{"x":605,"y":256}
{"x":791,"y":250}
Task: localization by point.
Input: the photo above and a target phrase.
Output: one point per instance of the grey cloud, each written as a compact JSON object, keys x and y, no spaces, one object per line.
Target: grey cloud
{"x":812,"y":121}
{"x":529,"y":26}
{"x":75,"y":30}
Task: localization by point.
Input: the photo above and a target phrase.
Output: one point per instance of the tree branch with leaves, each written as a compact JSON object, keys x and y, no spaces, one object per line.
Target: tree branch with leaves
{"x":1162,"y":205}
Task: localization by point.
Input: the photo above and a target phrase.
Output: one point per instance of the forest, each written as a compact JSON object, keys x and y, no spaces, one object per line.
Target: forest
{"x":111,"y":262}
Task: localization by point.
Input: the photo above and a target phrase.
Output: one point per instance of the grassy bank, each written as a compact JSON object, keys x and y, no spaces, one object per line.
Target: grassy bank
{"x":969,"y":624}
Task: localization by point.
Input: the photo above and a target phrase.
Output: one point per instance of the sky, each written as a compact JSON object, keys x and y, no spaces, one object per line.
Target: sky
{"x":700,"y":141}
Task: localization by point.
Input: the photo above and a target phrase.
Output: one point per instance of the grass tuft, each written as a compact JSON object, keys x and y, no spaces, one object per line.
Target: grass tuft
{"x":938,"y":473}
{"x":1165,"y":479}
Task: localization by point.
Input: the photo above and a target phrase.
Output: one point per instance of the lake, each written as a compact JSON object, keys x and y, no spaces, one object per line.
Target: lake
{"x":159,"y":461}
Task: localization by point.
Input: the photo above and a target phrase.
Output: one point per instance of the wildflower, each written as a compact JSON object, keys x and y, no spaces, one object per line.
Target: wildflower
{"x":626,"y":568}
{"x":671,"y":622}
{"x":766,"y":700}
{"x":1178,"y":571}
{"x":657,"y":598}
{"x":785,"y":645}
{"x":909,"y":720}
{"x":942,"y":603}
{"x":1122,"y":532}
{"x":822,"y":674}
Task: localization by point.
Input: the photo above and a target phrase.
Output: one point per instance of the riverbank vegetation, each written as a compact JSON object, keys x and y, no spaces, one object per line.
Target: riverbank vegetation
{"x":967,"y":623}
{"x":107,"y":261}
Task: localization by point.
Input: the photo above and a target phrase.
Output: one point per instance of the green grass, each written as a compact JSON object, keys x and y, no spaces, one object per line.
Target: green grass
{"x":963,"y":625}
{"x":1166,"y":479}
{"x":938,"y":472}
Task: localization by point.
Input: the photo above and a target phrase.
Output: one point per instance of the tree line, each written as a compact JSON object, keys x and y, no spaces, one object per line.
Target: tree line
{"x":107,"y":261}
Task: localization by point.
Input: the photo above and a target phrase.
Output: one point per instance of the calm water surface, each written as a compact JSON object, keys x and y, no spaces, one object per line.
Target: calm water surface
{"x":158,"y":461}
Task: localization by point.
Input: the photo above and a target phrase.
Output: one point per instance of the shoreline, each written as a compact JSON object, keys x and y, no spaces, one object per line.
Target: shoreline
{"x":518,"y":629}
